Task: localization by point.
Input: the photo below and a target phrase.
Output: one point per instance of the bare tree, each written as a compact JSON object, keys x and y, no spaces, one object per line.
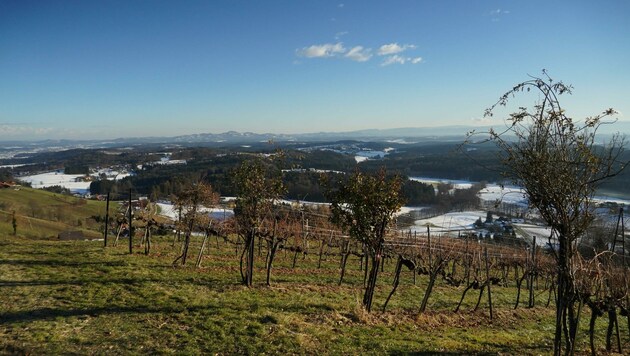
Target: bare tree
{"x":559,"y":164}
{"x":279,"y":228}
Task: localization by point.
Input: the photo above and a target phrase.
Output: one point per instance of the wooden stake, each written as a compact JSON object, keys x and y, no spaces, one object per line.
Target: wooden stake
{"x":106,"y":220}
{"x":488,"y":281}
{"x":130,"y":225}
{"x":532,"y":272}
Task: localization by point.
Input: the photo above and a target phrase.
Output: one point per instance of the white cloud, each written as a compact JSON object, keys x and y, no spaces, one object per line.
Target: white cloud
{"x":396,"y":59}
{"x":393,"y":48}
{"x":338,"y":35}
{"x":359,"y":54}
{"x":322,"y":51}
{"x":499,"y":12}
{"x":393,"y":59}
{"x":496,"y":14}
{"x":391,"y":52}
{"x":328,"y":50}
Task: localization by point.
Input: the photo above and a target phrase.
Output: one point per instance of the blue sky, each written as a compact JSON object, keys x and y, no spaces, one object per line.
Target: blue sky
{"x":107,"y":69}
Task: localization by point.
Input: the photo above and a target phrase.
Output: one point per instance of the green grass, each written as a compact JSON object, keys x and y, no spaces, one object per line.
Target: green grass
{"x":42,"y":214}
{"x":76,"y":297}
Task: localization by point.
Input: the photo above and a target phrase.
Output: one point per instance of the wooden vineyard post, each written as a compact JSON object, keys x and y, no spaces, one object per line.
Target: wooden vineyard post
{"x":429,"y":242}
{"x":147,"y":238}
{"x":178,"y":235}
{"x":613,"y":329}
{"x":345,"y":251}
{"x":321,"y":251}
{"x":130,"y":225}
{"x":106,"y":220}
{"x":532,"y":272}
{"x":488,"y":281}
{"x":203,"y":247}
{"x":296,"y":245}
{"x":415,"y":272}
{"x":468,"y":263}
{"x":305,"y":241}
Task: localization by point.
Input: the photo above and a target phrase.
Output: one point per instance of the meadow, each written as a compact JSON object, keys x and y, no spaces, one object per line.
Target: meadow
{"x":80,"y":298}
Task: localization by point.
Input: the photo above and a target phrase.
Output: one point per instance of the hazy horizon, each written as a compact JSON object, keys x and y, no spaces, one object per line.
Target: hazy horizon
{"x":438,"y":132}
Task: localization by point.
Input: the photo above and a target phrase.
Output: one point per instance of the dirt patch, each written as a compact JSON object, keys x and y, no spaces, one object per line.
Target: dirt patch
{"x":432,"y":320}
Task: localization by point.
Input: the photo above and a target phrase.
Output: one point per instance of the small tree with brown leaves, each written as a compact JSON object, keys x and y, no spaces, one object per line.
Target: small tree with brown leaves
{"x":559,"y":164}
{"x":364,"y":205}
{"x":191,"y":201}
{"x":259,"y":186}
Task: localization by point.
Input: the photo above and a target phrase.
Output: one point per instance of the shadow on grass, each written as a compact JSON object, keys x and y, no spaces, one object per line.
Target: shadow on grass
{"x":81,"y":282}
{"x":58,"y":263}
{"x":49,"y":313}
{"x":444,"y":353}
{"x":205,"y":281}
{"x":503,"y":350}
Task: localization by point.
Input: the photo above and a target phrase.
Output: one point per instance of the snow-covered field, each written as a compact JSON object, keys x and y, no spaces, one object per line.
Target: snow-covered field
{"x":365,"y":155}
{"x":409,"y":209}
{"x":492,"y":192}
{"x":15,"y":165}
{"x":511,"y":195}
{"x":313,"y":170}
{"x":458,"y":221}
{"x":169,"y":211}
{"x":450,"y":221}
{"x":73,"y":182}
{"x":168,"y":161}
{"x":516,"y":195}
{"x":111,"y":173}
{"x":50,"y":179}
{"x":607,"y":199}
{"x":506,"y":194}
{"x":541,"y":232}
{"x":457,"y":184}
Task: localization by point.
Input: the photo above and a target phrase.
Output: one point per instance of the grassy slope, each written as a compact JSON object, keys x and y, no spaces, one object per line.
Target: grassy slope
{"x":75,"y":297}
{"x":42,"y":214}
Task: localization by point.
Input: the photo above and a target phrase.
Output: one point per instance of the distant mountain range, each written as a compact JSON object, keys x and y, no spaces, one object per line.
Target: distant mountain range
{"x":380,"y":134}
{"x":244,"y":137}
{"x":400,"y":135}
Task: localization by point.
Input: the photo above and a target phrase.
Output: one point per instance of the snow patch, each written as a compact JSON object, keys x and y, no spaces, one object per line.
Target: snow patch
{"x":450,"y":221}
{"x":69,"y":181}
{"x":169,"y":210}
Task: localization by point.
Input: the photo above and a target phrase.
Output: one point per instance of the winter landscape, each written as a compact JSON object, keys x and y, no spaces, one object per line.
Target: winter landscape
{"x":324,"y":177}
